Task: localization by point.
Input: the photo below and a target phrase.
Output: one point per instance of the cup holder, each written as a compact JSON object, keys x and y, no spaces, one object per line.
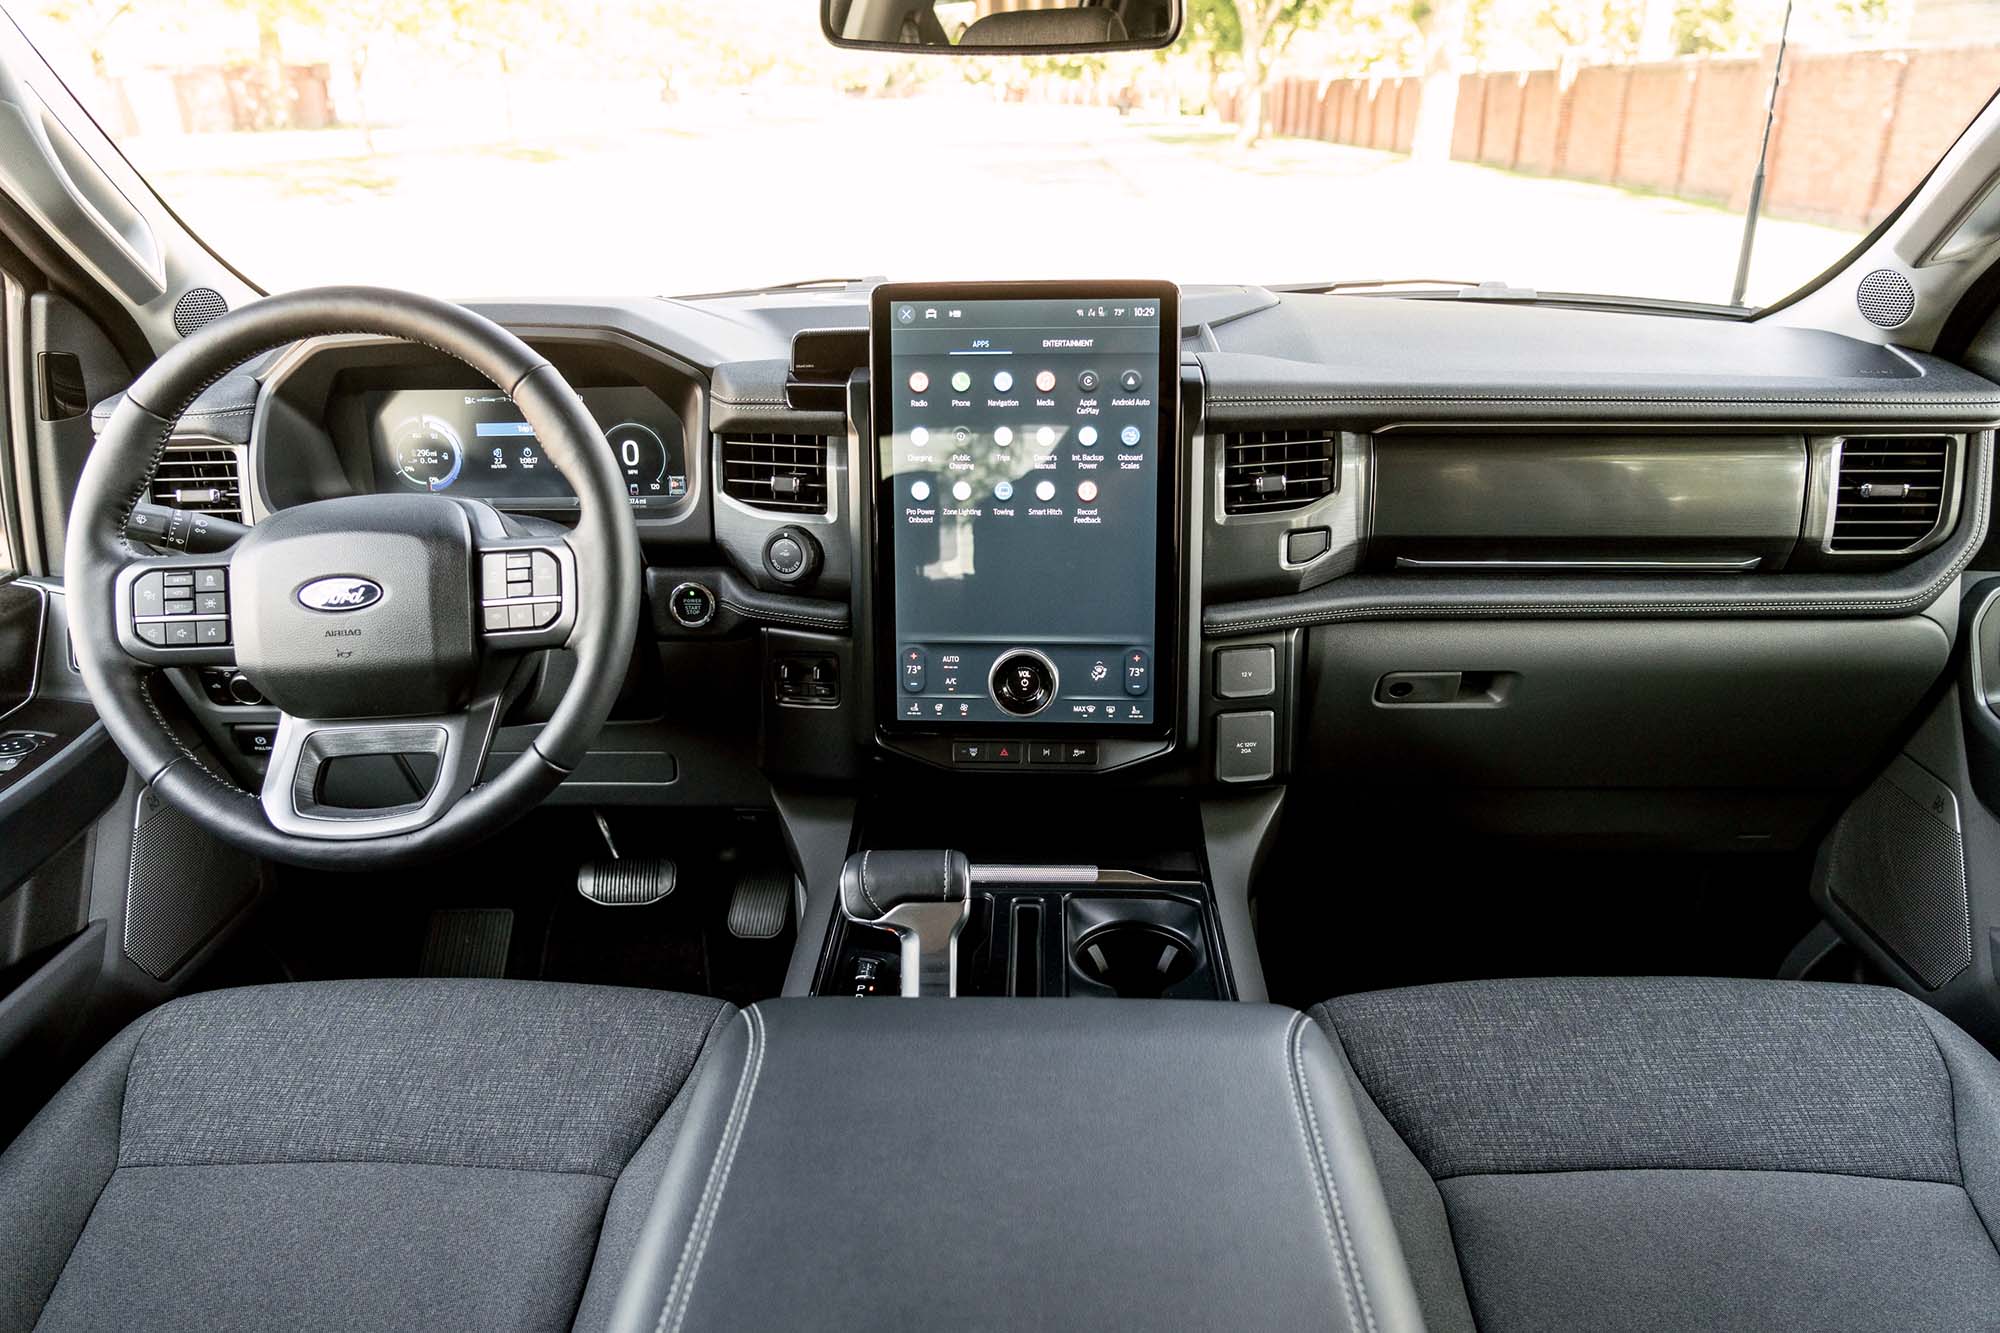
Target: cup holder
{"x":1138,"y":947}
{"x":1135,"y":960}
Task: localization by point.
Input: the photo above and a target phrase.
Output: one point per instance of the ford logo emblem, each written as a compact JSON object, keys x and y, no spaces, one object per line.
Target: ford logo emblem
{"x":344,"y":593}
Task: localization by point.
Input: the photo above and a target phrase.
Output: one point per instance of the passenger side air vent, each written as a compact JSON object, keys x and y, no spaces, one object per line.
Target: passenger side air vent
{"x":206,"y":479}
{"x":1889,"y":492}
{"x":785,"y":473}
{"x":1264,"y":471}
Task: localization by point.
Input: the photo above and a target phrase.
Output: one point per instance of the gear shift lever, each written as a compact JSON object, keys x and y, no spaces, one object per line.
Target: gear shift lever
{"x":925,"y":898}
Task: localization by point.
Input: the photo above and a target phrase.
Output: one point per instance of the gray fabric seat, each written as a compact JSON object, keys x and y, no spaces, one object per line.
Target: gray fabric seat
{"x":385,"y":1155}
{"x":1681,"y":1154}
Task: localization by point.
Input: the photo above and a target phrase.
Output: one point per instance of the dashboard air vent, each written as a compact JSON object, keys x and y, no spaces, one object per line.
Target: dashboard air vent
{"x":786,"y":473}
{"x":1888,"y":492}
{"x":1268,"y":470}
{"x":205,"y":479}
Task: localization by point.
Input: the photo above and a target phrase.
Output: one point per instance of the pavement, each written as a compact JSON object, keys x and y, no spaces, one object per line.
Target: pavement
{"x":739,"y":190}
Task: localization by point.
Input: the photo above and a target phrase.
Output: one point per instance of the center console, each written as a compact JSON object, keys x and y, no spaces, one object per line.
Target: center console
{"x":1029,"y":519}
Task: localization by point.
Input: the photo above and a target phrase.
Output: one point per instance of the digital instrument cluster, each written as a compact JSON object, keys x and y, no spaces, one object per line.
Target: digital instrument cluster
{"x":1025,"y":504}
{"x":475,"y":442}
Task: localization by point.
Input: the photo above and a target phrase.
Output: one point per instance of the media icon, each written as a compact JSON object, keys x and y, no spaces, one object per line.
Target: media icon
{"x":1046,"y":381}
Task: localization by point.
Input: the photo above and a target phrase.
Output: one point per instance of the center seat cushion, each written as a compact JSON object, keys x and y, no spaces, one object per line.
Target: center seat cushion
{"x":419,"y":1154}
{"x":1681,"y":1153}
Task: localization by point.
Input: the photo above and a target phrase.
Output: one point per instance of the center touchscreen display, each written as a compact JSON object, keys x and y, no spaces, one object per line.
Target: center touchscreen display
{"x":1025,"y":507}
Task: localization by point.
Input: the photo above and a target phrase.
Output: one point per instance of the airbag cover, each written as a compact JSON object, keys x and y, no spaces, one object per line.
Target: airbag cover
{"x":359,"y":607}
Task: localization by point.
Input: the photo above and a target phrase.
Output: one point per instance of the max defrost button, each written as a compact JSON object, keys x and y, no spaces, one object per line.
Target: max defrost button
{"x":1244,"y":744}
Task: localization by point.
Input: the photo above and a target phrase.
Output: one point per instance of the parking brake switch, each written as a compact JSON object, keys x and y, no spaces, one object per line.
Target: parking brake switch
{"x":925,"y":898}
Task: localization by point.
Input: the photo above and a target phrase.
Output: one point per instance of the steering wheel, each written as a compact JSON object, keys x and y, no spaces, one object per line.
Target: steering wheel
{"x":378,"y":624}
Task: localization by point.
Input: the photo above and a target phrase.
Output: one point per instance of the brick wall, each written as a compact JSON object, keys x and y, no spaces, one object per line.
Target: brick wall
{"x":1856,"y":130}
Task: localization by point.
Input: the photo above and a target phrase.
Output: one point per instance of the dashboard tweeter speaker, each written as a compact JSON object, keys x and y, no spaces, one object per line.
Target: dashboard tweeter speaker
{"x":1886,"y":298}
{"x":197,"y":309}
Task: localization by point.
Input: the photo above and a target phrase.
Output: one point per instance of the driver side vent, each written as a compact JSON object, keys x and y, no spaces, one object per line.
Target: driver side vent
{"x":1264,"y":471}
{"x":206,"y":479}
{"x":784,"y":473}
{"x":1888,"y":492}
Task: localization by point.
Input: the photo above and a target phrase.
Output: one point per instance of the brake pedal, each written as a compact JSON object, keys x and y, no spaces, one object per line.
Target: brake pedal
{"x":759,"y":906}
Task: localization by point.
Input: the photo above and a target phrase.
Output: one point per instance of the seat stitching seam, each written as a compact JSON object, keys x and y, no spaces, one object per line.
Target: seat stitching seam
{"x":1325,"y":1168}
{"x":365,"y":1161}
{"x":1319,"y":1191}
{"x":864,"y":885}
{"x":680,"y":1293}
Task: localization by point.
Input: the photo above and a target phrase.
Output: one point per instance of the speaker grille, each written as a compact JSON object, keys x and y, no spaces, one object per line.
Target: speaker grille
{"x":198,"y":308}
{"x":1895,"y":861}
{"x":184,"y":886}
{"x":1886,"y":298}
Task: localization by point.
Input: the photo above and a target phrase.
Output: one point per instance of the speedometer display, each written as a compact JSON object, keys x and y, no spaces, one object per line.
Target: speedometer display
{"x":477,"y":443}
{"x":429,"y":453}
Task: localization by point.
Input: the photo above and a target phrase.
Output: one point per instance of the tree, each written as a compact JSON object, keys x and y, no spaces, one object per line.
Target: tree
{"x":1266,"y":29}
{"x":1211,"y":31}
{"x":1442,"y":23}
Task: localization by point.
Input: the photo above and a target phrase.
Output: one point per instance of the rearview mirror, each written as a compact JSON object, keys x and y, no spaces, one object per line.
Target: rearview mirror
{"x":1001,"y":27}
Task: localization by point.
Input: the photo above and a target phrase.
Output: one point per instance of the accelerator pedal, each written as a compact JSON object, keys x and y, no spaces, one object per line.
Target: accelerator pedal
{"x":467,"y":942}
{"x":633,"y":881}
{"x":759,"y":905}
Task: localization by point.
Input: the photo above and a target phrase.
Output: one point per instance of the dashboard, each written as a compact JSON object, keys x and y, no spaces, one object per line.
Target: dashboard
{"x":1556,"y":561}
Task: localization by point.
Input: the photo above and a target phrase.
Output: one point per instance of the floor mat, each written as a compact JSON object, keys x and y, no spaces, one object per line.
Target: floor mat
{"x":467,"y":942}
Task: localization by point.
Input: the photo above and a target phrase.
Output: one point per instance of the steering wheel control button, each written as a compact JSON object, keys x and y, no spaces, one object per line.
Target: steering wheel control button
{"x":211,"y":580}
{"x":692,"y":605}
{"x":179,"y":578}
{"x":1244,"y":745}
{"x":211,"y":632}
{"x":1246,"y":673}
{"x":912,"y":664}
{"x":1023,"y":682}
{"x":176,"y":607}
{"x":149,"y":594}
{"x":180,"y":633}
{"x":211,"y":604}
{"x":545,"y":578}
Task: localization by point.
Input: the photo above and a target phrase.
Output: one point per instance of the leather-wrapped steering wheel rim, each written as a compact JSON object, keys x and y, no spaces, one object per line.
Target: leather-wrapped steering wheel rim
{"x":601,"y":554}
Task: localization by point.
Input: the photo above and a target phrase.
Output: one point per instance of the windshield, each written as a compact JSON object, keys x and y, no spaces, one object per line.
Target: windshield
{"x":473,"y":148}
